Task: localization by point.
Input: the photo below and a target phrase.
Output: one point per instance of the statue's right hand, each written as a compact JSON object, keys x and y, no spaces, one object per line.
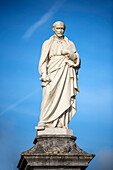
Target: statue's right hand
{"x":42,"y":79}
{"x":45,"y":78}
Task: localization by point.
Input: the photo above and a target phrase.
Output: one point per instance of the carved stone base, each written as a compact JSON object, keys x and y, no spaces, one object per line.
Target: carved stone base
{"x":53,"y":152}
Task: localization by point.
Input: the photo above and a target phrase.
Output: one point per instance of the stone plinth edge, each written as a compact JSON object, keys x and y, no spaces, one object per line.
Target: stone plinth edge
{"x":55,"y":131}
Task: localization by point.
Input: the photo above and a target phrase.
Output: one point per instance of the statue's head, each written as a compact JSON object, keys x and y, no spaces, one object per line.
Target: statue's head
{"x":59,"y":28}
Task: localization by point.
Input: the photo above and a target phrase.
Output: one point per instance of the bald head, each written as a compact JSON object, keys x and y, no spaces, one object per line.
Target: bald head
{"x":60,"y":24}
{"x":59,"y":28}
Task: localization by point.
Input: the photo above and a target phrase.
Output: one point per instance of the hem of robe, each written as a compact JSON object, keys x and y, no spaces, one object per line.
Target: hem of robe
{"x":72,"y":104}
{"x":71,"y":114}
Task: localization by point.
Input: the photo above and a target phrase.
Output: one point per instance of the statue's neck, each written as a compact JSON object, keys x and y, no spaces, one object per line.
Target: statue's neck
{"x":59,"y":38}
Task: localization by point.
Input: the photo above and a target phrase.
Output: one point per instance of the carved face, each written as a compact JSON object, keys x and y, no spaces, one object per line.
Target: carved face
{"x":59,"y":29}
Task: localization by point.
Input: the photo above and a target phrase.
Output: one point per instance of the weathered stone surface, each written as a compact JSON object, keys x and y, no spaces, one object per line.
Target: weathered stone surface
{"x":55,"y":144}
{"x":54,"y":152}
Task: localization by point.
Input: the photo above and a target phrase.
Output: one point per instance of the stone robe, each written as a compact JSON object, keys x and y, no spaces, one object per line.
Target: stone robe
{"x":59,"y":94}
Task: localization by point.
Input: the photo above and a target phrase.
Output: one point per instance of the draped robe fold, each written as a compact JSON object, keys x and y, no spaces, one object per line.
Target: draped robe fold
{"x":59,"y":95}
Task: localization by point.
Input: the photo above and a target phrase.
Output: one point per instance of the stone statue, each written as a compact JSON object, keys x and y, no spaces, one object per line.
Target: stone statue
{"x":55,"y":146}
{"x":58,"y":67}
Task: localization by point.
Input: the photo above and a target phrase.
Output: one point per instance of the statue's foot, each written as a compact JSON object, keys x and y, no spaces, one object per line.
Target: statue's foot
{"x":39,"y":128}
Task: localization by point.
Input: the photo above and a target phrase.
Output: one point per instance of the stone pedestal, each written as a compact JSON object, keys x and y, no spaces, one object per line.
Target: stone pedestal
{"x":53,"y":152}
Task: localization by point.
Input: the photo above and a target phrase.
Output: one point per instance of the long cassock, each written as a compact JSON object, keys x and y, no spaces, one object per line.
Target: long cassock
{"x":59,"y":94}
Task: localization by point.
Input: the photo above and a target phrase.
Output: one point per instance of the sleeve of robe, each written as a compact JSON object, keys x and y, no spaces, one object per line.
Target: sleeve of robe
{"x":78,"y":61}
{"x":44,"y":58}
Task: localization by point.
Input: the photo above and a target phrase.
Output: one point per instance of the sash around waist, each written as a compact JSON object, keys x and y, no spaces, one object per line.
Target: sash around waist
{"x":56,"y":62}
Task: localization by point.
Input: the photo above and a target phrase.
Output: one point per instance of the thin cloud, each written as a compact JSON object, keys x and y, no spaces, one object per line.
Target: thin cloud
{"x":18,"y":102}
{"x":43,"y":19}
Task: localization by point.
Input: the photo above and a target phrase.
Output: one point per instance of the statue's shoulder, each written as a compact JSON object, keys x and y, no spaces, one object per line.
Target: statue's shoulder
{"x":47,"y":42}
{"x":69,"y":41}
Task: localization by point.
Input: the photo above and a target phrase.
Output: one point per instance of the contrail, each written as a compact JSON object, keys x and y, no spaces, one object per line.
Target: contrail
{"x":18,"y":102}
{"x":43,"y":19}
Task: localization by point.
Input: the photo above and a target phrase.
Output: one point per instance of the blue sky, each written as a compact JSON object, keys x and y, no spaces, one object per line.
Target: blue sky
{"x":25,"y":25}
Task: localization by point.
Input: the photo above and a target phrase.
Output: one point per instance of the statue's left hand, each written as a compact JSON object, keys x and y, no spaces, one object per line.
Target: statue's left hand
{"x":71,"y":55}
{"x":65,"y":52}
